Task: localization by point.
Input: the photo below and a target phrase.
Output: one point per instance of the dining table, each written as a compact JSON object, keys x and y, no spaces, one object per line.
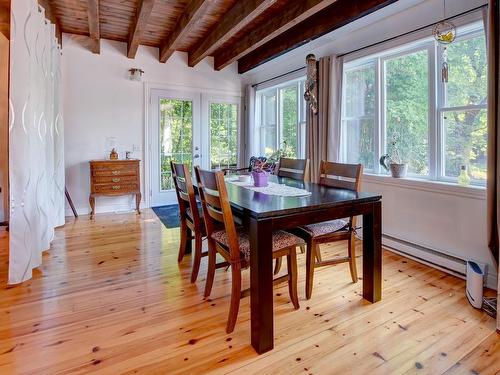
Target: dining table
{"x":263,"y":213}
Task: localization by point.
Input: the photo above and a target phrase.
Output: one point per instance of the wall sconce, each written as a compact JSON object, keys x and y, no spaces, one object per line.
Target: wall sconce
{"x":136,"y":74}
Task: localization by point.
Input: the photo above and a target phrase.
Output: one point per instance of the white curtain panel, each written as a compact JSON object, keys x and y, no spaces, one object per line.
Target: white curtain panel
{"x":336,"y":78}
{"x":36,"y":139}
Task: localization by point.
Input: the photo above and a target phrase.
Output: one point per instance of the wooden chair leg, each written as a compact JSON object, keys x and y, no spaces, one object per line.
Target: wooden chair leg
{"x":235,"y":298}
{"x":317,"y":253}
{"x":310,"y":256}
{"x":196,"y":257}
{"x":211,"y":268}
{"x":183,"y":242}
{"x":352,"y":258}
{"x":291,"y":259}
{"x":277,"y":265}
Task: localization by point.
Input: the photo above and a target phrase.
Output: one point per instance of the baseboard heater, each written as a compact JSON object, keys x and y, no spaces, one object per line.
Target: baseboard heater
{"x":434,"y":258}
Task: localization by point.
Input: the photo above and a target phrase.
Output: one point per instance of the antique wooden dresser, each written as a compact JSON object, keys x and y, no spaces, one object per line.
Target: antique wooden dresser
{"x":114,"y":177}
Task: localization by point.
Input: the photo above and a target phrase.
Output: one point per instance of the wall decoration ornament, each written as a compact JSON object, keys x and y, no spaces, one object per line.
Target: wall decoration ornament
{"x":445,"y":33}
{"x":311,"y":85}
{"x":36,"y":139}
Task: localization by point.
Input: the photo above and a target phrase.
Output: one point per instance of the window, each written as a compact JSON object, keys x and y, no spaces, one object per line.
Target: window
{"x":223,"y":135}
{"x":176,"y":134}
{"x":280,"y":120}
{"x":401,"y":95}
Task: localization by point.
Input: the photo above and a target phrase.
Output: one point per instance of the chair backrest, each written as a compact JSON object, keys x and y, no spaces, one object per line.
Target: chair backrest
{"x":216,"y":207}
{"x":185,"y":192}
{"x":344,"y":176}
{"x":298,"y":169}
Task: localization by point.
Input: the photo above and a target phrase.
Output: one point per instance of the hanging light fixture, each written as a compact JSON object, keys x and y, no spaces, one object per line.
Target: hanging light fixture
{"x":310,"y":85}
{"x":136,"y":74}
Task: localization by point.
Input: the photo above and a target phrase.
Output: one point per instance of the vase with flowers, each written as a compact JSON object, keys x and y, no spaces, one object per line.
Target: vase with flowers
{"x":260,"y":174}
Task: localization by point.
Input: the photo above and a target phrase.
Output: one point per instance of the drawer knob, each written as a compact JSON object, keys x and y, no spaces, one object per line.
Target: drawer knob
{"x":116,"y":187}
{"x":115,"y":172}
{"x":115,"y":180}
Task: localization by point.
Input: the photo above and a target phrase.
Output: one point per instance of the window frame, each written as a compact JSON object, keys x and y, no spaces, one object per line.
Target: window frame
{"x":301,"y":115}
{"x":437,"y":104}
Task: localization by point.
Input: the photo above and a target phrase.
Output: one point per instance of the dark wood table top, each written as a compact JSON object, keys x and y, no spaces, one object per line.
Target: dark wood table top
{"x":260,"y":205}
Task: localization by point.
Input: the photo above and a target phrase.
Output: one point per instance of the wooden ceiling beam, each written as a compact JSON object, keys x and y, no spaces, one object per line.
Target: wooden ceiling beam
{"x":94,"y":27}
{"x":187,"y":22}
{"x":335,"y":16}
{"x":295,"y":12}
{"x":51,"y":16}
{"x":144,"y":9}
{"x":5,"y":18}
{"x":239,"y":16}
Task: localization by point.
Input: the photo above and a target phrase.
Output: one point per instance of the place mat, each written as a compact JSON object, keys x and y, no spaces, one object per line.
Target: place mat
{"x":272,"y":188}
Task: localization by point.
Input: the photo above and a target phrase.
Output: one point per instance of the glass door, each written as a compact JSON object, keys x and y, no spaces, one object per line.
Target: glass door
{"x":222,"y":115}
{"x":174,"y":136}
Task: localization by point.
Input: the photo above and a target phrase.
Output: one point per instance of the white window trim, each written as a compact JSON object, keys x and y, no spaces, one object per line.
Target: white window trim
{"x":259,"y":103}
{"x":436,"y":109}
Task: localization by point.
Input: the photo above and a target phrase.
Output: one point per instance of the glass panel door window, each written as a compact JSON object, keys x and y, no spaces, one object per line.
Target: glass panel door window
{"x":176,"y":137}
{"x":223,"y":135}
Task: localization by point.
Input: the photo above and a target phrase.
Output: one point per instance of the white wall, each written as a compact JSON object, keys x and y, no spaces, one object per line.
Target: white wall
{"x":100,"y":101}
{"x":447,"y":220}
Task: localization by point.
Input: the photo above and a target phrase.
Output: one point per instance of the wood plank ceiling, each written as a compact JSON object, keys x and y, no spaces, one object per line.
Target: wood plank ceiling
{"x":248,"y":31}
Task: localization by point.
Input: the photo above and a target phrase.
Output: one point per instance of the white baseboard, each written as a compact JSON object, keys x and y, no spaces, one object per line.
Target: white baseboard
{"x":104,"y":208}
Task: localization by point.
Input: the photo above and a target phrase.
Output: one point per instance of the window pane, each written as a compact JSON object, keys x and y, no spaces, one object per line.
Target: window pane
{"x":360,"y":92}
{"x":289,"y":113}
{"x":467,"y":76}
{"x":176,"y":132}
{"x":268,"y":131}
{"x":358,"y":142}
{"x":223,"y":135}
{"x":407,"y":109}
{"x":466,"y":140}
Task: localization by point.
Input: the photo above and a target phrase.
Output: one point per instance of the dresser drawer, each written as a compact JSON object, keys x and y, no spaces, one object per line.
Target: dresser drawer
{"x":115,"y":179}
{"x":116,"y":188}
{"x":128,"y":171}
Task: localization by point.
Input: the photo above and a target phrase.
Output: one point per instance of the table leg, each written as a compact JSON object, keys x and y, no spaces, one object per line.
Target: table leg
{"x":372,"y":254}
{"x":261,"y":285}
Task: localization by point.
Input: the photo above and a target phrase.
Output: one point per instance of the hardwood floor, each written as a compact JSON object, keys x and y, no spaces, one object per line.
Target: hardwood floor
{"x":111,"y":298}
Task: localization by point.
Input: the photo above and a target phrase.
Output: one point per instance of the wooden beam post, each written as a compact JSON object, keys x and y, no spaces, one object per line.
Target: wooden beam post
{"x":144,"y":9}
{"x":5,"y":18}
{"x":336,"y":15}
{"x":187,"y":22}
{"x":94,"y":29}
{"x":240,"y":15}
{"x":295,"y":12}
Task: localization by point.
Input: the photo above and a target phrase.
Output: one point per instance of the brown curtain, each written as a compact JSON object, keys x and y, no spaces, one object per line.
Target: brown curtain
{"x":317,"y":128}
{"x":493,"y":184}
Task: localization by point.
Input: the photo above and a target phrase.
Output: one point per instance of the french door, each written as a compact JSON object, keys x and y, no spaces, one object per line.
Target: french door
{"x":191,"y":128}
{"x":175,"y":135}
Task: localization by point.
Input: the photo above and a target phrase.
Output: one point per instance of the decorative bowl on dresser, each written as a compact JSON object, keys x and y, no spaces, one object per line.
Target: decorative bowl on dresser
{"x":114,"y":177}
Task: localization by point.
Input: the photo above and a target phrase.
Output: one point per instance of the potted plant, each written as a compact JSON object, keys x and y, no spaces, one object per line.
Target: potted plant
{"x":393,"y":162}
{"x":285,"y":151}
{"x":259,"y":174}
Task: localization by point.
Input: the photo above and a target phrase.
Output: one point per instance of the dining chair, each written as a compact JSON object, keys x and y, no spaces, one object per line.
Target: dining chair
{"x":191,"y":220}
{"x":297,"y":169}
{"x":233,"y":243}
{"x":344,"y":176}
